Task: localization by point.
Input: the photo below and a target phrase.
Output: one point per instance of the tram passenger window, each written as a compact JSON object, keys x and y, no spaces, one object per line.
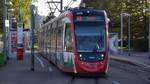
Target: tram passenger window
{"x":68,"y":38}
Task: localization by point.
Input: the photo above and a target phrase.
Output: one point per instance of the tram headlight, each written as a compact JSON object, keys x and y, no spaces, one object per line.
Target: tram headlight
{"x":102,"y":55}
{"x":80,"y":55}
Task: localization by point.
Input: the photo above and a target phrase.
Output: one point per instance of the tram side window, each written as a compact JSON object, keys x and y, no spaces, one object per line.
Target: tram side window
{"x":49,"y":39}
{"x":60,"y":36}
{"x":53,"y":41}
{"x":68,"y":38}
{"x":59,"y":40}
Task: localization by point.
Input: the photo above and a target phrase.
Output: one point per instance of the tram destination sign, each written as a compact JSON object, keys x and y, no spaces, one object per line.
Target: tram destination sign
{"x":89,"y":18}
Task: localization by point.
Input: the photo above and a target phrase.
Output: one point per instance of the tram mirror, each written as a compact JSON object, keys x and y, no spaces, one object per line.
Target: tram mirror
{"x":108,"y":20}
{"x":65,"y":48}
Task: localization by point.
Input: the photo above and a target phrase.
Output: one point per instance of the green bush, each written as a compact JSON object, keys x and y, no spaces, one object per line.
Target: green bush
{"x":140,"y":45}
{"x":2,"y":59}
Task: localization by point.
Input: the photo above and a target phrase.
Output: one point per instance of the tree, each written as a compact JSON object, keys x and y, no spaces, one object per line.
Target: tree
{"x":25,"y":10}
{"x":114,"y":8}
{"x":1,"y":15}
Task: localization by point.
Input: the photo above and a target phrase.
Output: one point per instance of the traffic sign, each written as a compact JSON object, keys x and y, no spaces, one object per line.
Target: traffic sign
{"x":6,"y":23}
{"x":20,"y":32}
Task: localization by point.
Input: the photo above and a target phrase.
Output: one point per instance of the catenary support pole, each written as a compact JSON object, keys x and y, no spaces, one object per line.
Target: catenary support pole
{"x":129,"y":33}
{"x":61,"y":5}
{"x":4,"y":29}
{"x":32,"y":35}
{"x":121,"y":33}
{"x":148,"y":10}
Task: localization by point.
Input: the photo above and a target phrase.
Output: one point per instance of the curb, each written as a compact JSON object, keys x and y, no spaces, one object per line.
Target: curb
{"x":129,"y":61}
{"x":147,"y":79}
{"x":132,"y":62}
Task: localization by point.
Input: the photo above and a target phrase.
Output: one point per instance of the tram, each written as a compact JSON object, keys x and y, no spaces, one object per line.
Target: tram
{"x":76,"y":41}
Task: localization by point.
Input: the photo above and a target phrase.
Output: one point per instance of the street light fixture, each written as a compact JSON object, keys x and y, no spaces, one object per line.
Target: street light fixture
{"x":8,"y":33}
{"x":32,"y":9}
{"x":127,"y":15}
{"x":6,"y":24}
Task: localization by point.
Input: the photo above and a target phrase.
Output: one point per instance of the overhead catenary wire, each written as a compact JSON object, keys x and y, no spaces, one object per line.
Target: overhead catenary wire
{"x":54,"y":6}
{"x":70,"y":3}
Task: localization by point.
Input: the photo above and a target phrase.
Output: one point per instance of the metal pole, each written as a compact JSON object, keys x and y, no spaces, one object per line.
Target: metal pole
{"x":121,"y":33}
{"x":9,"y":35}
{"x":32,"y":36}
{"x":149,"y":36}
{"x":129,"y":45}
{"x":4,"y":29}
{"x":61,"y":5}
{"x":19,"y":11}
{"x":148,"y":10}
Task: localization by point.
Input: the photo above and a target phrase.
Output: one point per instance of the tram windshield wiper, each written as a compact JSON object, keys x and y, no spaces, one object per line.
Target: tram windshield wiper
{"x":96,"y":48}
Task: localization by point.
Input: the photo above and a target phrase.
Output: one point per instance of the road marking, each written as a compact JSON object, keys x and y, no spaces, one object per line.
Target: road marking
{"x":115,"y":82}
{"x":50,"y":69}
{"x":41,"y":62}
{"x":146,"y":79}
{"x":141,"y":71}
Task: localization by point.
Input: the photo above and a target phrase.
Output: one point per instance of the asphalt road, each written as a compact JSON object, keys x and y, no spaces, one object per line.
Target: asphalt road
{"x":19,"y":73}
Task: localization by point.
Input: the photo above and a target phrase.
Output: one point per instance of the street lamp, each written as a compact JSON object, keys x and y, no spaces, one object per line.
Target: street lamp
{"x":32,"y":9}
{"x":148,"y":10}
{"x":127,"y":15}
{"x":6,"y":25}
{"x":9,"y":32}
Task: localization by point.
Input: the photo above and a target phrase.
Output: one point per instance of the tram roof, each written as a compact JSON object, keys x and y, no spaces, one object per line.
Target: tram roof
{"x":84,"y":10}
{"x":74,"y":11}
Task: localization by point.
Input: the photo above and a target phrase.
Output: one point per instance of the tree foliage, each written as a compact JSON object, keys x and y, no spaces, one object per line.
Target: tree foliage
{"x":139,"y":21}
{"x":1,"y":15}
{"x":25,"y":10}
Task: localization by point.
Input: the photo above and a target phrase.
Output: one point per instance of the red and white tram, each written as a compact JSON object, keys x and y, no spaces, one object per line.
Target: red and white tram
{"x":77,"y":41}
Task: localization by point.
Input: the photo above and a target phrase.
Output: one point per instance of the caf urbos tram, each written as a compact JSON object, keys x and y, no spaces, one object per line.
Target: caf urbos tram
{"x":76,"y":41}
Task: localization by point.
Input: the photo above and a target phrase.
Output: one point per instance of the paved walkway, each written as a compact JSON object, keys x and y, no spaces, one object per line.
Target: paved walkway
{"x":18,"y":72}
{"x":139,"y":58}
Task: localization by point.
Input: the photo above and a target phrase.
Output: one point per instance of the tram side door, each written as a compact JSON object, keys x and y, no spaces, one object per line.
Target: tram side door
{"x":67,"y":46}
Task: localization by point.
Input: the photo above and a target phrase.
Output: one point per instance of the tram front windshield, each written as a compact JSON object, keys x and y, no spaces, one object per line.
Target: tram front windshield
{"x":90,"y":36}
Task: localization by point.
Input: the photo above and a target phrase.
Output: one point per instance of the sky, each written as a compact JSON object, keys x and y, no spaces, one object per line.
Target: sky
{"x":43,"y":8}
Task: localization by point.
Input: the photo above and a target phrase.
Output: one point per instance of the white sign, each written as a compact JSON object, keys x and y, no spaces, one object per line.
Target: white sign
{"x":146,"y":10}
{"x":19,"y":33}
{"x":6,"y":23}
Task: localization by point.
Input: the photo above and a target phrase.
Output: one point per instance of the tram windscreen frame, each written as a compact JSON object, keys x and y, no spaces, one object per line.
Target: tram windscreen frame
{"x":90,"y":36}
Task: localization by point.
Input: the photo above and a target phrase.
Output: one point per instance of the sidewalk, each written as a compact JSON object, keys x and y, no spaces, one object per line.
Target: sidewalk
{"x":135,"y":58}
{"x":18,"y":72}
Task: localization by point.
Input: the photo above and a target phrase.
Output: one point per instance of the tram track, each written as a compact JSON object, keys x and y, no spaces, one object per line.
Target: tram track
{"x":75,"y":80}
{"x":72,"y":80}
{"x":95,"y":80}
{"x":142,"y":72}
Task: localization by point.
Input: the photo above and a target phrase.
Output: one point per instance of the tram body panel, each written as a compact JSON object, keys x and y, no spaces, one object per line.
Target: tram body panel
{"x":78,"y":41}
